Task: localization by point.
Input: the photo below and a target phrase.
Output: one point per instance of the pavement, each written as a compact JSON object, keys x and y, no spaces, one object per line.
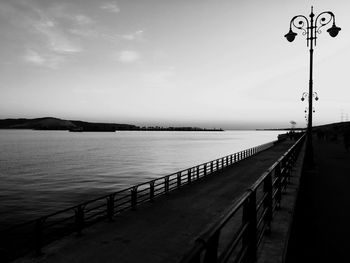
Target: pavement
{"x":164,"y":230}
{"x":321,"y":227}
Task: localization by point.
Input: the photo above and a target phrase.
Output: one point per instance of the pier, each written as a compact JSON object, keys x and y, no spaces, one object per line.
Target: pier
{"x":167,"y":228}
{"x":104,"y":103}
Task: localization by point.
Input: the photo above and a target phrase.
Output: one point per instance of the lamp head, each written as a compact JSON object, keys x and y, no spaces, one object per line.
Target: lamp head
{"x":302,"y":98}
{"x":290,"y":36}
{"x":334,"y":30}
{"x":316,"y":98}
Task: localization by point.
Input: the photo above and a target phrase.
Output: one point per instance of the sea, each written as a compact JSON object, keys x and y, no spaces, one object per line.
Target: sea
{"x":45,"y":171}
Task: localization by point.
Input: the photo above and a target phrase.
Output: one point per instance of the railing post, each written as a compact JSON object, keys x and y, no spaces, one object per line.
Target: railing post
{"x":134,"y":198}
{"x":151,"y":191}
{"x":110,"y":207}
{"x":289,"y":165}
{"x":217,"y":165}
{"x":250,"y":235}
{"x":211,"y":254}
{"x":268,"y":201}
{"x":293,"y":156}
{"x":166,"y":184}
{"x":38,"y":236}
{"x":231,"y":159}
{"x":291,"y":162}
{"x":197,"y":172}
{"x":205,"y":169}
{"x":79,"y":219}
{"x":189,"y":176}
{"x":278,"y":185}
{"x":178,"y":179}
{"x":284,"y":173}
{"x":211,"y":167}
{"x":235,"y":157}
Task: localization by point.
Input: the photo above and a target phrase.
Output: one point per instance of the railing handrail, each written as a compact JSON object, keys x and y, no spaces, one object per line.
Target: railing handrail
{"x":202,"y":243}
{"x":129,"y":197}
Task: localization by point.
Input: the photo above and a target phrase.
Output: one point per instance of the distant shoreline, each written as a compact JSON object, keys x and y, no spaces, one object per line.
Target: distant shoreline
{"x":50,"y":123}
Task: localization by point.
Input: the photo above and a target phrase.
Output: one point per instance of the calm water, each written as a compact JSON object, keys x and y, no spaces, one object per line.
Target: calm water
{"x":44,"y":171}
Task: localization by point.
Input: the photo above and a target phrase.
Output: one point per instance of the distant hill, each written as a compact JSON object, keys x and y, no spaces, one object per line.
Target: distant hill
{"x":91,"y":126}
{"x":50,"y":123}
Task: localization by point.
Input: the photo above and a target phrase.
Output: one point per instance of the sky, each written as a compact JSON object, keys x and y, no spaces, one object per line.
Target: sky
{"x":207,"y":63}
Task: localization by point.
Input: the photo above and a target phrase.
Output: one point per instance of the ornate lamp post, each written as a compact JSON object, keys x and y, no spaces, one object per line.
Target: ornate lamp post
{"x":310,"y":28}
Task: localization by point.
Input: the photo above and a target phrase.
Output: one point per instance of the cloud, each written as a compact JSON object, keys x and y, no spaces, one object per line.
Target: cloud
{"x":138,"y":35}
{"x":81,"y":19}
{"x":34,"y":58}
{"x":44,"y":60}
{"x":128,"y":56}
{"x":44,"y":30}
{"x":110,"y":7}
{"x":57,"y":41}
{"x":85,"y":32}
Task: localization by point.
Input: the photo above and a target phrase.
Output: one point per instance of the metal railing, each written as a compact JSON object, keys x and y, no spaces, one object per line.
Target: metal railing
{"x":236,"y":236}
{"x":33,"y":235}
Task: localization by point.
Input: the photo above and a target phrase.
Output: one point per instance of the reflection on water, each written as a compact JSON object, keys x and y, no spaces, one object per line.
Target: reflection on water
{"x":44,"y":171}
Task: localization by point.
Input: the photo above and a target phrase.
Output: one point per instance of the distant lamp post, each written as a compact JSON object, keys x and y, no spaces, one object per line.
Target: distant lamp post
{"x":306,"y":95}
{"x":310,"y":28}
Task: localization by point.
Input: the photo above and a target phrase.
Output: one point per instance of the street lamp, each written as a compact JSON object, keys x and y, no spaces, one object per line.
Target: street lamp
{"x":306,"y":95}
{"x":310,"y":28}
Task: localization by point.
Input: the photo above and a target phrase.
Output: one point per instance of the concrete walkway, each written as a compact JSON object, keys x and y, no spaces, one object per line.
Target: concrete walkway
{"x":164,"y":230}
{"x":321,"y":228}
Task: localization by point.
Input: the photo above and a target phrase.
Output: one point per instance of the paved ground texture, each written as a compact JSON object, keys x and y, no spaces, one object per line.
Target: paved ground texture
{"x":321,"y":228}
{"x":164,"y":230}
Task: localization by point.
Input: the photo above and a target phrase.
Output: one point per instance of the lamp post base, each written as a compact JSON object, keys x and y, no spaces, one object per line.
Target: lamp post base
{"x":309,"y":153}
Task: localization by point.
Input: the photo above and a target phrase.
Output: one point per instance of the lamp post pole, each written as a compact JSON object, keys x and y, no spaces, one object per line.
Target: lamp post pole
{"x":311,"y":28}
{"x":309,"y":147}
